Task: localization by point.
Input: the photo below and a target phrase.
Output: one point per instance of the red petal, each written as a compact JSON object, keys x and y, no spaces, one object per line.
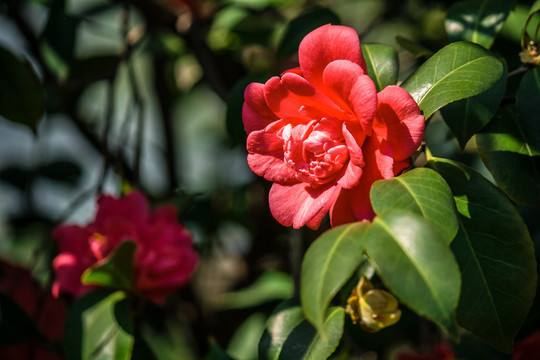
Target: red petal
{"x":300,"y":205}
{"x":266,"y":156}
{"x":400,"y":121}
{"x":326,"y":44}
{"x":354,"y":92}
{"x":354,"y":204}
{"x":255,"y":112}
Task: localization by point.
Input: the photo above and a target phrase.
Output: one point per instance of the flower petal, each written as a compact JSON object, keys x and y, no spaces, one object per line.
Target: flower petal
{"x":354,"y":204}
{"x":346,"y":84}
{"x":400,"y":121}
{"x":300,"y":205}
{"x":266,"y":156}
{"x":255,"y":113}
{"x":324,"y":45}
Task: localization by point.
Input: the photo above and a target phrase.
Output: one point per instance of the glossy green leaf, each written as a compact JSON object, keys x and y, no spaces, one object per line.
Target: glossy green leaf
{"x":495,"y":254}
{"x":455,"y":72}
{"x":116,"y":271}
{"x":21,"y":95}
{"x":422,"y":191}
{"x":217,"y":353}
{"x":289,"y":336}
{"x":527,"y":100}
{"x":97,"y":327}
{"x":415,"y":49}
{"x":477,"y":21}
{"x":244,"y":342}
{"x":468,"y":116}
{"x":511,"y":158}
{"x":328,"y":264}
{"x":525,"y":36}
{"x":382,"y":64}
{"x":270,"y":286}
{"x":416,"y":264}
{"x":299,"y":27}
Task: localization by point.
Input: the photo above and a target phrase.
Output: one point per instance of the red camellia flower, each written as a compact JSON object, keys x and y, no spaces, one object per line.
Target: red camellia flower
{"x":164,"y":259}
{"x":323,"y":135}
{"x":46,"y":312}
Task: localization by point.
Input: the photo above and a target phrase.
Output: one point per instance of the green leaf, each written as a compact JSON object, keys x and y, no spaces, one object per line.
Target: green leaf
{"x":98,"y":327}
{"x":328,"y":264}
{"x":270,"y":286}
{"x":477,"y":21}
{"x":21,"y":95}
{"x":414,"y":48}
{"x":455,"y":72}
{"x":416,"y":264}
{"x":243,"y":343}
{"x":506,"y":150}
{"x":288,"y":336}
{"x":115,"y":271}
{"x":527,"y":105}
{"x":217,"y":353}
{"x":466,"y":117}
{"x":299,"y":27}
{"x":382,"y":63}
{"x":59,"y":40}
{"x":421,"y":191}
{"x":525,"y":37}
{"x":495,"y":254}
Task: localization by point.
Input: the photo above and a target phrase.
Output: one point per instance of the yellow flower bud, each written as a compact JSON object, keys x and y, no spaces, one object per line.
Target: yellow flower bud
{"x":373,"y":309}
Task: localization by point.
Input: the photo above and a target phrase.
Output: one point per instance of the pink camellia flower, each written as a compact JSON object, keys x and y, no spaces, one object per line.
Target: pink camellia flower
{"x":164,"y":259}
{"x":323,"y":135}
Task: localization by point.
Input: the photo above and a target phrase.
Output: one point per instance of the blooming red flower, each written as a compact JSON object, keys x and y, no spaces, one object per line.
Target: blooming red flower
{"x":46,"y":312}
{"x":164,"y":259}
{"x":323,"y":135}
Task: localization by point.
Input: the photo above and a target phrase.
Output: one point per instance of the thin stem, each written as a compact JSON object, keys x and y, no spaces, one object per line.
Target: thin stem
{"x":517,"y":71}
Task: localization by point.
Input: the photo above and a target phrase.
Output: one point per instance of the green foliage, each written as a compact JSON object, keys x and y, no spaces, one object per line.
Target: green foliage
{"x":421,"y":191}
{"x":115,"y":271}
{"x":468,"y":116}
{"x":382,"y":64}
{"x":455,"y":72}
{"x":328,"y":264}
{"x":21,"y":96}
{"x":416,"y":264}
{"x":99,"y":328}
{"x":495,"y":254}
{"x":289,"y":336}
{"x":477,"y":21}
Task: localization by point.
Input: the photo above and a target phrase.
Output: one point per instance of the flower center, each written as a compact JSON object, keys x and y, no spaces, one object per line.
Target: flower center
{"x":316,"y":151}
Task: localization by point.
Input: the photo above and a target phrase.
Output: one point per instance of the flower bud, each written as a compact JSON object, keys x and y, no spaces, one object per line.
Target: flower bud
{"x":373,"y":309}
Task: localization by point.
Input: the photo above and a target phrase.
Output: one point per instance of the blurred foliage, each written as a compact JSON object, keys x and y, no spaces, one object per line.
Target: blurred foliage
{"x":103,"y":95}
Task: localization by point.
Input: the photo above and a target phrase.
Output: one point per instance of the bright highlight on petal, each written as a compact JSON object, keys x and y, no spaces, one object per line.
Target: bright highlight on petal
{"x":323,"y":135}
